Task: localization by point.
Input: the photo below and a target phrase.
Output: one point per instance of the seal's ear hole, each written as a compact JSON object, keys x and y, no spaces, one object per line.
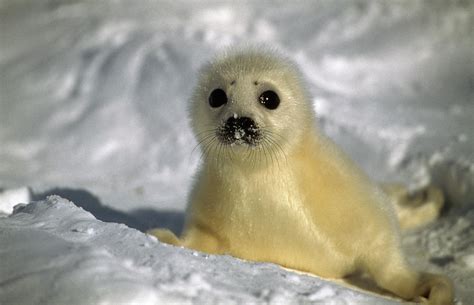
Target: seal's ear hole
{"x":269,"y":99}
{"x":217,"y":98}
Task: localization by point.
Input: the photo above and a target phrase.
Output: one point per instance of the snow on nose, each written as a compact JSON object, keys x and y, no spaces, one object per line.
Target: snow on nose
{"x":239,"y":130}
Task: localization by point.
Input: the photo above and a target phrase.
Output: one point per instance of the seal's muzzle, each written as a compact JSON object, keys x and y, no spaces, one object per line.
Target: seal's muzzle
{"x":239,"y":130}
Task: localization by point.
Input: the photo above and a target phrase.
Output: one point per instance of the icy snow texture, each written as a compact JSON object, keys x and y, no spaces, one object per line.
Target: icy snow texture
{"x":93,"y":97}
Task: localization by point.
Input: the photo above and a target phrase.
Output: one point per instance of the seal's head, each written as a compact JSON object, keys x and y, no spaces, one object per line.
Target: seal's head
{"x":248,"y":101}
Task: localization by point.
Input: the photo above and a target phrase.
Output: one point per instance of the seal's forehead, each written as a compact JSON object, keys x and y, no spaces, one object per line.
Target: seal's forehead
{"x":234,"y":64}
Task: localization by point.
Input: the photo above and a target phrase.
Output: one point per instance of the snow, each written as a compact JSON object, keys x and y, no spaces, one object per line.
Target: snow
{"x":93,"y":99}
{"x":11,"y":197}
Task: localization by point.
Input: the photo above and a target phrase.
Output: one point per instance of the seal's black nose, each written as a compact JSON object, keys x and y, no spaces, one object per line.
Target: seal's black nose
{"x":240,"y":130}
{"x":245,"y":124}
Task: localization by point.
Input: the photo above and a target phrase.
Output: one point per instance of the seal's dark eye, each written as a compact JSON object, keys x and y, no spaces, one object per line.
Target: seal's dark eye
{"x":269,"y":99}
{"x":217,"y":98}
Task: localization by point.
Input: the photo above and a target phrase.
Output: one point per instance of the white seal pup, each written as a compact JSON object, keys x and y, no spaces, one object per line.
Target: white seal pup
{"x":273,"y":188}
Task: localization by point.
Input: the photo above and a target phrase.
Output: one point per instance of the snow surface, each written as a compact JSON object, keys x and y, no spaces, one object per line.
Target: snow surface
{"x":93,"y":101}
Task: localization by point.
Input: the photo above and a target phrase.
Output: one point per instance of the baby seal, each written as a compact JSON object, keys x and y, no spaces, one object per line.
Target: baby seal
{"x":273,"y":188}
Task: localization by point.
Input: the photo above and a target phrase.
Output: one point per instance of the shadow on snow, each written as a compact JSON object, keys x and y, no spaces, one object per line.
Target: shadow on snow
{"x":140,"y":219}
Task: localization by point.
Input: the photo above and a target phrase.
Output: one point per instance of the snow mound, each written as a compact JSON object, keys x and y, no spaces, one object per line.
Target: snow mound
{"x":54,"y":252}
{"x":10,"y":197}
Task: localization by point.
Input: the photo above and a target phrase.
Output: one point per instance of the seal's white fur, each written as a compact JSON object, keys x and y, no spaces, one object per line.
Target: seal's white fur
{"x":294,"y":199}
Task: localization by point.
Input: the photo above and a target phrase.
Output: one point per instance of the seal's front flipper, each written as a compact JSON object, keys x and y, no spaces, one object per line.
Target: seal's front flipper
{"x":166,"y":236}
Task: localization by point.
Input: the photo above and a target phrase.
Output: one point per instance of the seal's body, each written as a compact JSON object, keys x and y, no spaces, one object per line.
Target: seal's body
{"x":273,"y":188}
{"x":313,"y":212}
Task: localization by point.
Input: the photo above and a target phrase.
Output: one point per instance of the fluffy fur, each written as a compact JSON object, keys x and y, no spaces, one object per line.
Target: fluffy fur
{"x":293,"y":198}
